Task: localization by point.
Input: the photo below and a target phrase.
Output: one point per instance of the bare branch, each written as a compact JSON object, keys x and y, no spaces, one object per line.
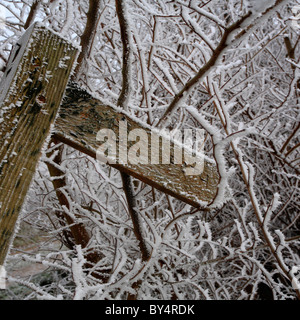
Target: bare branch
{"x":203,"y":71}
{"x":218,"y":52}
{"x":87,"y":35}
{"x":125,"y":38}
{"x":33,"y":10}
{"x":137,"y":227}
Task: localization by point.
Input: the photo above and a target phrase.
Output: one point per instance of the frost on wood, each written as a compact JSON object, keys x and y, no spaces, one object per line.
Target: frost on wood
{"x":81,"y":117}
{"x":31,"y":91}
{"x":246,"y":249}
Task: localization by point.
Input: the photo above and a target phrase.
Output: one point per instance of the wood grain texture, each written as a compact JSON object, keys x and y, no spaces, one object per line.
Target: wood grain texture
{"x":82,"y":116}
{"x":30,"y":95}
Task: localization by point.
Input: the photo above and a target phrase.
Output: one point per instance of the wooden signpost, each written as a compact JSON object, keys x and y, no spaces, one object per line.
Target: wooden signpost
{"x":31,"y":92}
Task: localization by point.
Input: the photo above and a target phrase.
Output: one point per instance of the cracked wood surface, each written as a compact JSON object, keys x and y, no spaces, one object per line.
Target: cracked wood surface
{"x":80,"y":118}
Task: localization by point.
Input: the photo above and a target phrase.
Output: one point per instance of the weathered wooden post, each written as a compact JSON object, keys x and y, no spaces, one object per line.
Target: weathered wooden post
{"x":30,"y":94}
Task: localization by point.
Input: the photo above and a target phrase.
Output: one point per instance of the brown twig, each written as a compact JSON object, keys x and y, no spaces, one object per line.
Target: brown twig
{"x":125,"y":38}
{"x":137,"y":228}
{"x":88,"y":34}
{"x":33,"y":10}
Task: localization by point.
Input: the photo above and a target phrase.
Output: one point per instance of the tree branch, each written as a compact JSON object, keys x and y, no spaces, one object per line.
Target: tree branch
{"x":88,"y":33}
{"x":125,"y":38}
{"x":218,"y":52}
{"x":137,"y":228}
{"x":33,"y":10}
{"x":78,"y":234}
{"x":203,"y":71}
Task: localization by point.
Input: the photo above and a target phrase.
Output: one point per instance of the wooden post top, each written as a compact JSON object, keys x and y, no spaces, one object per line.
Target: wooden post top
{"x":31,"y":90}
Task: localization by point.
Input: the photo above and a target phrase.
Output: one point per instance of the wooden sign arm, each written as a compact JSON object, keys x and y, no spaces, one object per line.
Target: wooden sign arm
{"x":80,"y":118}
